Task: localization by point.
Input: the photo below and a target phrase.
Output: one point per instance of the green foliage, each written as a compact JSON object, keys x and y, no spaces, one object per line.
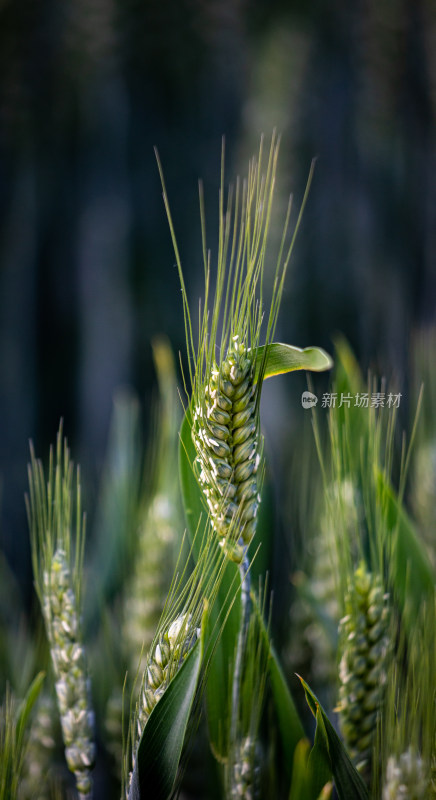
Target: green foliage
{"x":213,"y":643}
{"x":282,"y":358}
{"x":329,"y":749}
{"x":290,"y":727}
{"x":14,"y":721}
{"x":410,"y":571}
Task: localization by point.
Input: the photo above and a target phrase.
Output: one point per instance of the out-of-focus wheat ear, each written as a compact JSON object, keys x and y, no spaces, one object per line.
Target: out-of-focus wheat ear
{"x":113,"y":728}
{"x":145,"y":594}
{"x":68,"y":659}
{"x":40,"y":751}
{"x":407,"y":778}
{"x":424,"y":492}
{"x":57,"y":539}
{"x":246,"y":771}
{"x":312,"y":645}
{"x":160,"y":516}
{"x":365,"y":647}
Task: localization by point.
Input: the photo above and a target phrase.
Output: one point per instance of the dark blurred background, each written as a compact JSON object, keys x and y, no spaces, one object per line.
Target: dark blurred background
{"x":88,"y":87}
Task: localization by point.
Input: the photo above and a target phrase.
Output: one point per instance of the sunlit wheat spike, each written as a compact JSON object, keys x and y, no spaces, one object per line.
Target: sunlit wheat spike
{"x":363,"y":666}
{"x":68,"y":660}
{"x":246,"y":771}
{"x":226,"y":438}
{"x":166,"y":657}
{"x":225,"y":389}
{"x":407,"y":778}
{"x":163,"y":663}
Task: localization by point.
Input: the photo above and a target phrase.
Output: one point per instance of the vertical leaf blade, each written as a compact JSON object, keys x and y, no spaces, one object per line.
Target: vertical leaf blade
{"x":349,"y":783}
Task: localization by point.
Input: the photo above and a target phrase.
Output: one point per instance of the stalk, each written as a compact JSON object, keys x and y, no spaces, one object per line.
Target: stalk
{"x":241,"y":643}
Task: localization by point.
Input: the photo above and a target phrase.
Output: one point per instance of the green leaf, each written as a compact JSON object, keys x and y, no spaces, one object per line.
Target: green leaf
{"x":299,"y":787}
{"x":281,"y":358}
{"x":290,"y":727}
{"x":161,"y":743}
{"x":330,"y":749}
{"x":14,"y":736}
{"x":311,"y":774}
{"x":410,"y":571}
{"x":218,"y":687}
{"x":27,"y":704}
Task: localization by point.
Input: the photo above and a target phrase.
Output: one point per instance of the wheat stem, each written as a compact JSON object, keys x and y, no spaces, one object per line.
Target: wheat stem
{"x":240,"y":646}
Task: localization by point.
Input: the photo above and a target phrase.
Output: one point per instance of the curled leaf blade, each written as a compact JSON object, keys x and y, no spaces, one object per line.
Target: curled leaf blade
{"x":161,"y":743}
{"x":281,"y":358}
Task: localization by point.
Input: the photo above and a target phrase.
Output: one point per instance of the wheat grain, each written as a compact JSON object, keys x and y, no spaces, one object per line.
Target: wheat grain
{"x":226,"y":438}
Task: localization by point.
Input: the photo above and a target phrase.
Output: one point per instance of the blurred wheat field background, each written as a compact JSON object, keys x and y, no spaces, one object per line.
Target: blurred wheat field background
{"x":339,"y":583}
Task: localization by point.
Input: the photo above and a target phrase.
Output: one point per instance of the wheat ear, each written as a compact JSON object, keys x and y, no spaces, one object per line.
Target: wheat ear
{"x":226,"y":438}
{"x":363,"y":666}
{"x":407,"y":778}
{"x":58,"y":571}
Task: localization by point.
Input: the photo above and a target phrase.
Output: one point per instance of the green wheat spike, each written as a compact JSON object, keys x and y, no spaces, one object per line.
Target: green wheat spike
{"x":57,"y":558}
{"x":363,"y":666}
{"x":315,"y":613}
{"x":171,"y":646}
{"x":68,"y":659}
{"x":40,"y":751}
{"x":175,"y":636}
{"x":164,"y":661}
{"x":226,"y":437}
{"x":225,"y":381}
